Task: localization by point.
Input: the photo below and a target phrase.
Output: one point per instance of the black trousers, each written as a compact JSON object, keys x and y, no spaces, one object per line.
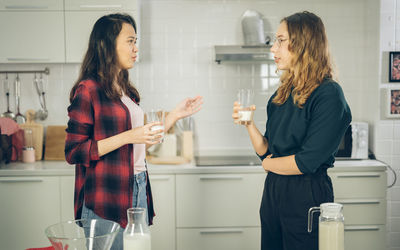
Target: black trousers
{"x":284,"y":210}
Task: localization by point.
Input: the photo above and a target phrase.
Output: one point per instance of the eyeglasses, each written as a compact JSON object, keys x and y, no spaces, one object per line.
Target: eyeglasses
{"x":279,"y":41}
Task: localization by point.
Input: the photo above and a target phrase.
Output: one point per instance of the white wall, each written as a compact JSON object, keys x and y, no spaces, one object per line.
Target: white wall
{"x":177,"y":60}
{"x":387,"y":137}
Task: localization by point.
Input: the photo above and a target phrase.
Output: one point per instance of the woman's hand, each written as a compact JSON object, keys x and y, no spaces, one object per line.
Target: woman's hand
{"x":144,"y":134}
{"x":188,"y":107}
{"x":235,"y":114}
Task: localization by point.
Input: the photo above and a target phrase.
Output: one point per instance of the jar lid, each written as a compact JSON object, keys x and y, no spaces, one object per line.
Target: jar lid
{"x":331,"y":209}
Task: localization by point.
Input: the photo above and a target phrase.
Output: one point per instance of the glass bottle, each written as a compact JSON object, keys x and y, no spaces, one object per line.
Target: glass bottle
{"x":331,"y":226}
{"x":137,"y":233}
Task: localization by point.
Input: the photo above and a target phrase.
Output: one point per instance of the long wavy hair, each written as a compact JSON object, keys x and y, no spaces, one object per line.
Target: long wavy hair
{"x":101,"y":62}
{"x":311,"y":61}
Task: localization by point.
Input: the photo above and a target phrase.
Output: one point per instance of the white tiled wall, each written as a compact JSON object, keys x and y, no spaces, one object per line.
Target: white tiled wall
{"x":177,"y":60}
{"x":387,"y":137}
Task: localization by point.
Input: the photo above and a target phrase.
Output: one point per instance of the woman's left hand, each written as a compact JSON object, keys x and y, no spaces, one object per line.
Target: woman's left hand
{"x":188,"y":107}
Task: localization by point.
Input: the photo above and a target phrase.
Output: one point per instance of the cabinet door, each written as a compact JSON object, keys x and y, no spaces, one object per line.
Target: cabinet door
{"x":41,"y":5}
{"x":28,"y":206}
{"x":67,"y":197}
{"x":163,"y":228}
{"x":32,"y":37}
{"x":78,"y":25}
{"x":218,"y":200}
{"x":123,"y":5}
{"x":219,"y":239}
{"x":372,"y":237}
{"x":359,"y":184}
{"x":363,"y":211}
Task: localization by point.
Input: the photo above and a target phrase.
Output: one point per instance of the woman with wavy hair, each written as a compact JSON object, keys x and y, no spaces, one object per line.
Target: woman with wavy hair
{"x":306,"y":119}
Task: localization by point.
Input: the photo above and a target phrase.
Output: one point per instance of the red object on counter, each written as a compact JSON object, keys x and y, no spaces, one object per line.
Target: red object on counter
{"x":41,"y":248}
{"x":17,"y":141}
{"x":8,"y":126}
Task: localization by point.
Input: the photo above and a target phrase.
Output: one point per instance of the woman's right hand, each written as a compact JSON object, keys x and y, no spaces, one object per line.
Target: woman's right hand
{"x":144,"y":135}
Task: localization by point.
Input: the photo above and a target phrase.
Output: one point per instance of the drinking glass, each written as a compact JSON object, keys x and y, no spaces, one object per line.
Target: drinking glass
{"x":156,"y":115}
{"x":246,"y":100}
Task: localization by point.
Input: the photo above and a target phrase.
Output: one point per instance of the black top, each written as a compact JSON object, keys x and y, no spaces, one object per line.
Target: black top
{"x":312,"y":133}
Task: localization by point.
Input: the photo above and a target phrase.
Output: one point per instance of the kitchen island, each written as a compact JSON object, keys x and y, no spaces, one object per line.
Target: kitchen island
{"x":196,"y":207}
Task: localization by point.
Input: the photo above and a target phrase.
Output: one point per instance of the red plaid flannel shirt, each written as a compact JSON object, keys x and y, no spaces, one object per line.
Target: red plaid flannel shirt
{"x":104,"y":183}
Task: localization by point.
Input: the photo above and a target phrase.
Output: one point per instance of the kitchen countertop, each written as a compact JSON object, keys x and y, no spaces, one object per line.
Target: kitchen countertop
{"x":62,"y":168}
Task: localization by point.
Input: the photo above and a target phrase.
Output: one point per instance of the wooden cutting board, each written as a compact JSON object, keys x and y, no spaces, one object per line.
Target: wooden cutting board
{"x":55,"y":143}
{"x":37,"y":133}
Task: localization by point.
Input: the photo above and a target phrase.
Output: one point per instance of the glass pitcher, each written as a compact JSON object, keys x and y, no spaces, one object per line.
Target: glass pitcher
{"x":331,"y":226}
{"x":137,"y":233}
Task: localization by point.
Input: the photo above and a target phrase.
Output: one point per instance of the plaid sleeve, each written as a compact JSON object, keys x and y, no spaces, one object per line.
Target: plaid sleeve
{"x":80,"y":147}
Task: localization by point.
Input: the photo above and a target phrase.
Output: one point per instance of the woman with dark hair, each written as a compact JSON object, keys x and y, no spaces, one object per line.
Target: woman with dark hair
{"x":106,"y":135}
{"x":307,"y":117}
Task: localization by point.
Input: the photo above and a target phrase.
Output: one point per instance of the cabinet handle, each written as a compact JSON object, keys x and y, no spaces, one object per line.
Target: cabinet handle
{"x":217,"y":178}
{"x":358,"y":201}
{"x":98,"y":6}
{"x":159,"y":178}
{"x":21,"y":180}
{"x":11,"y":59}
{"x":358,"y":175}
{"x":361,"y":228}
{"x":30,"y":7}
{"x":222,"y":231}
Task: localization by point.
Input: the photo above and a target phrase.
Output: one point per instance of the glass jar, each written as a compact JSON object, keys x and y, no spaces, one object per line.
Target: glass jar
{"x":331,"y":226}
{"x":137,"y":232}
{"x":28,"y":151}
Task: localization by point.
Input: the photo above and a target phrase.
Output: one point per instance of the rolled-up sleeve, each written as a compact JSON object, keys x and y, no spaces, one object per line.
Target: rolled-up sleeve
{"x":80,"y":147}
{"x":330,"y":117}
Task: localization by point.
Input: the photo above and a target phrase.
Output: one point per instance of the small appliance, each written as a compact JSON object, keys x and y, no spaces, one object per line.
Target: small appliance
{"x":354,"y":143}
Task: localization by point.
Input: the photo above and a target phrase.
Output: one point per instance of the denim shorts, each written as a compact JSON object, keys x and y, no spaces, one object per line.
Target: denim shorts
{"x":139,"y":199}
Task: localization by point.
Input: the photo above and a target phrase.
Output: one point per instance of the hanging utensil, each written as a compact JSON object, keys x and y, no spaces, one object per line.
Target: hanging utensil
{"x":19,"y":118}
{"x":8,"y":113}
{"x":40,"y":89}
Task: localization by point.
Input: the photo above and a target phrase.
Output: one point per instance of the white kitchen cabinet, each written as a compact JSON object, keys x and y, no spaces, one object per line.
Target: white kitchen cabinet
{"x":67,"y":186}
{"x":163,"y":228}
{"x":43,"y":5}
{"x":196,"y":208}
{"x":218,"y":211}
{"x":80,"y":16}
{"x":51,"y":31}
{"x":236,"y":238}
{"x":78,"y":25}
{"x":363,"y":195}
{"x":28,"y":206}
{"x":120,"y":5}
{"x":32,"y":36}
{"x":365,"y":237}
{"x":219,"y":200}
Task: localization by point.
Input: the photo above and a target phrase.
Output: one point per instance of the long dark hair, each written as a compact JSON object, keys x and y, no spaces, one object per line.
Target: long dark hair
{"x":101,"y":63}
{"x":311,"y":62}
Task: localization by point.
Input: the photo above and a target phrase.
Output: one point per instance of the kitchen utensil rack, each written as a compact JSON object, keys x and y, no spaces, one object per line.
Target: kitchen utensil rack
{"x":45,"y":71}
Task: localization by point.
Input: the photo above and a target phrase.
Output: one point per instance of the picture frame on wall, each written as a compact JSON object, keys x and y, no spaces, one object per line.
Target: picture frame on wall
{"x":393,"y":103}
{"x":394,"y":66}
